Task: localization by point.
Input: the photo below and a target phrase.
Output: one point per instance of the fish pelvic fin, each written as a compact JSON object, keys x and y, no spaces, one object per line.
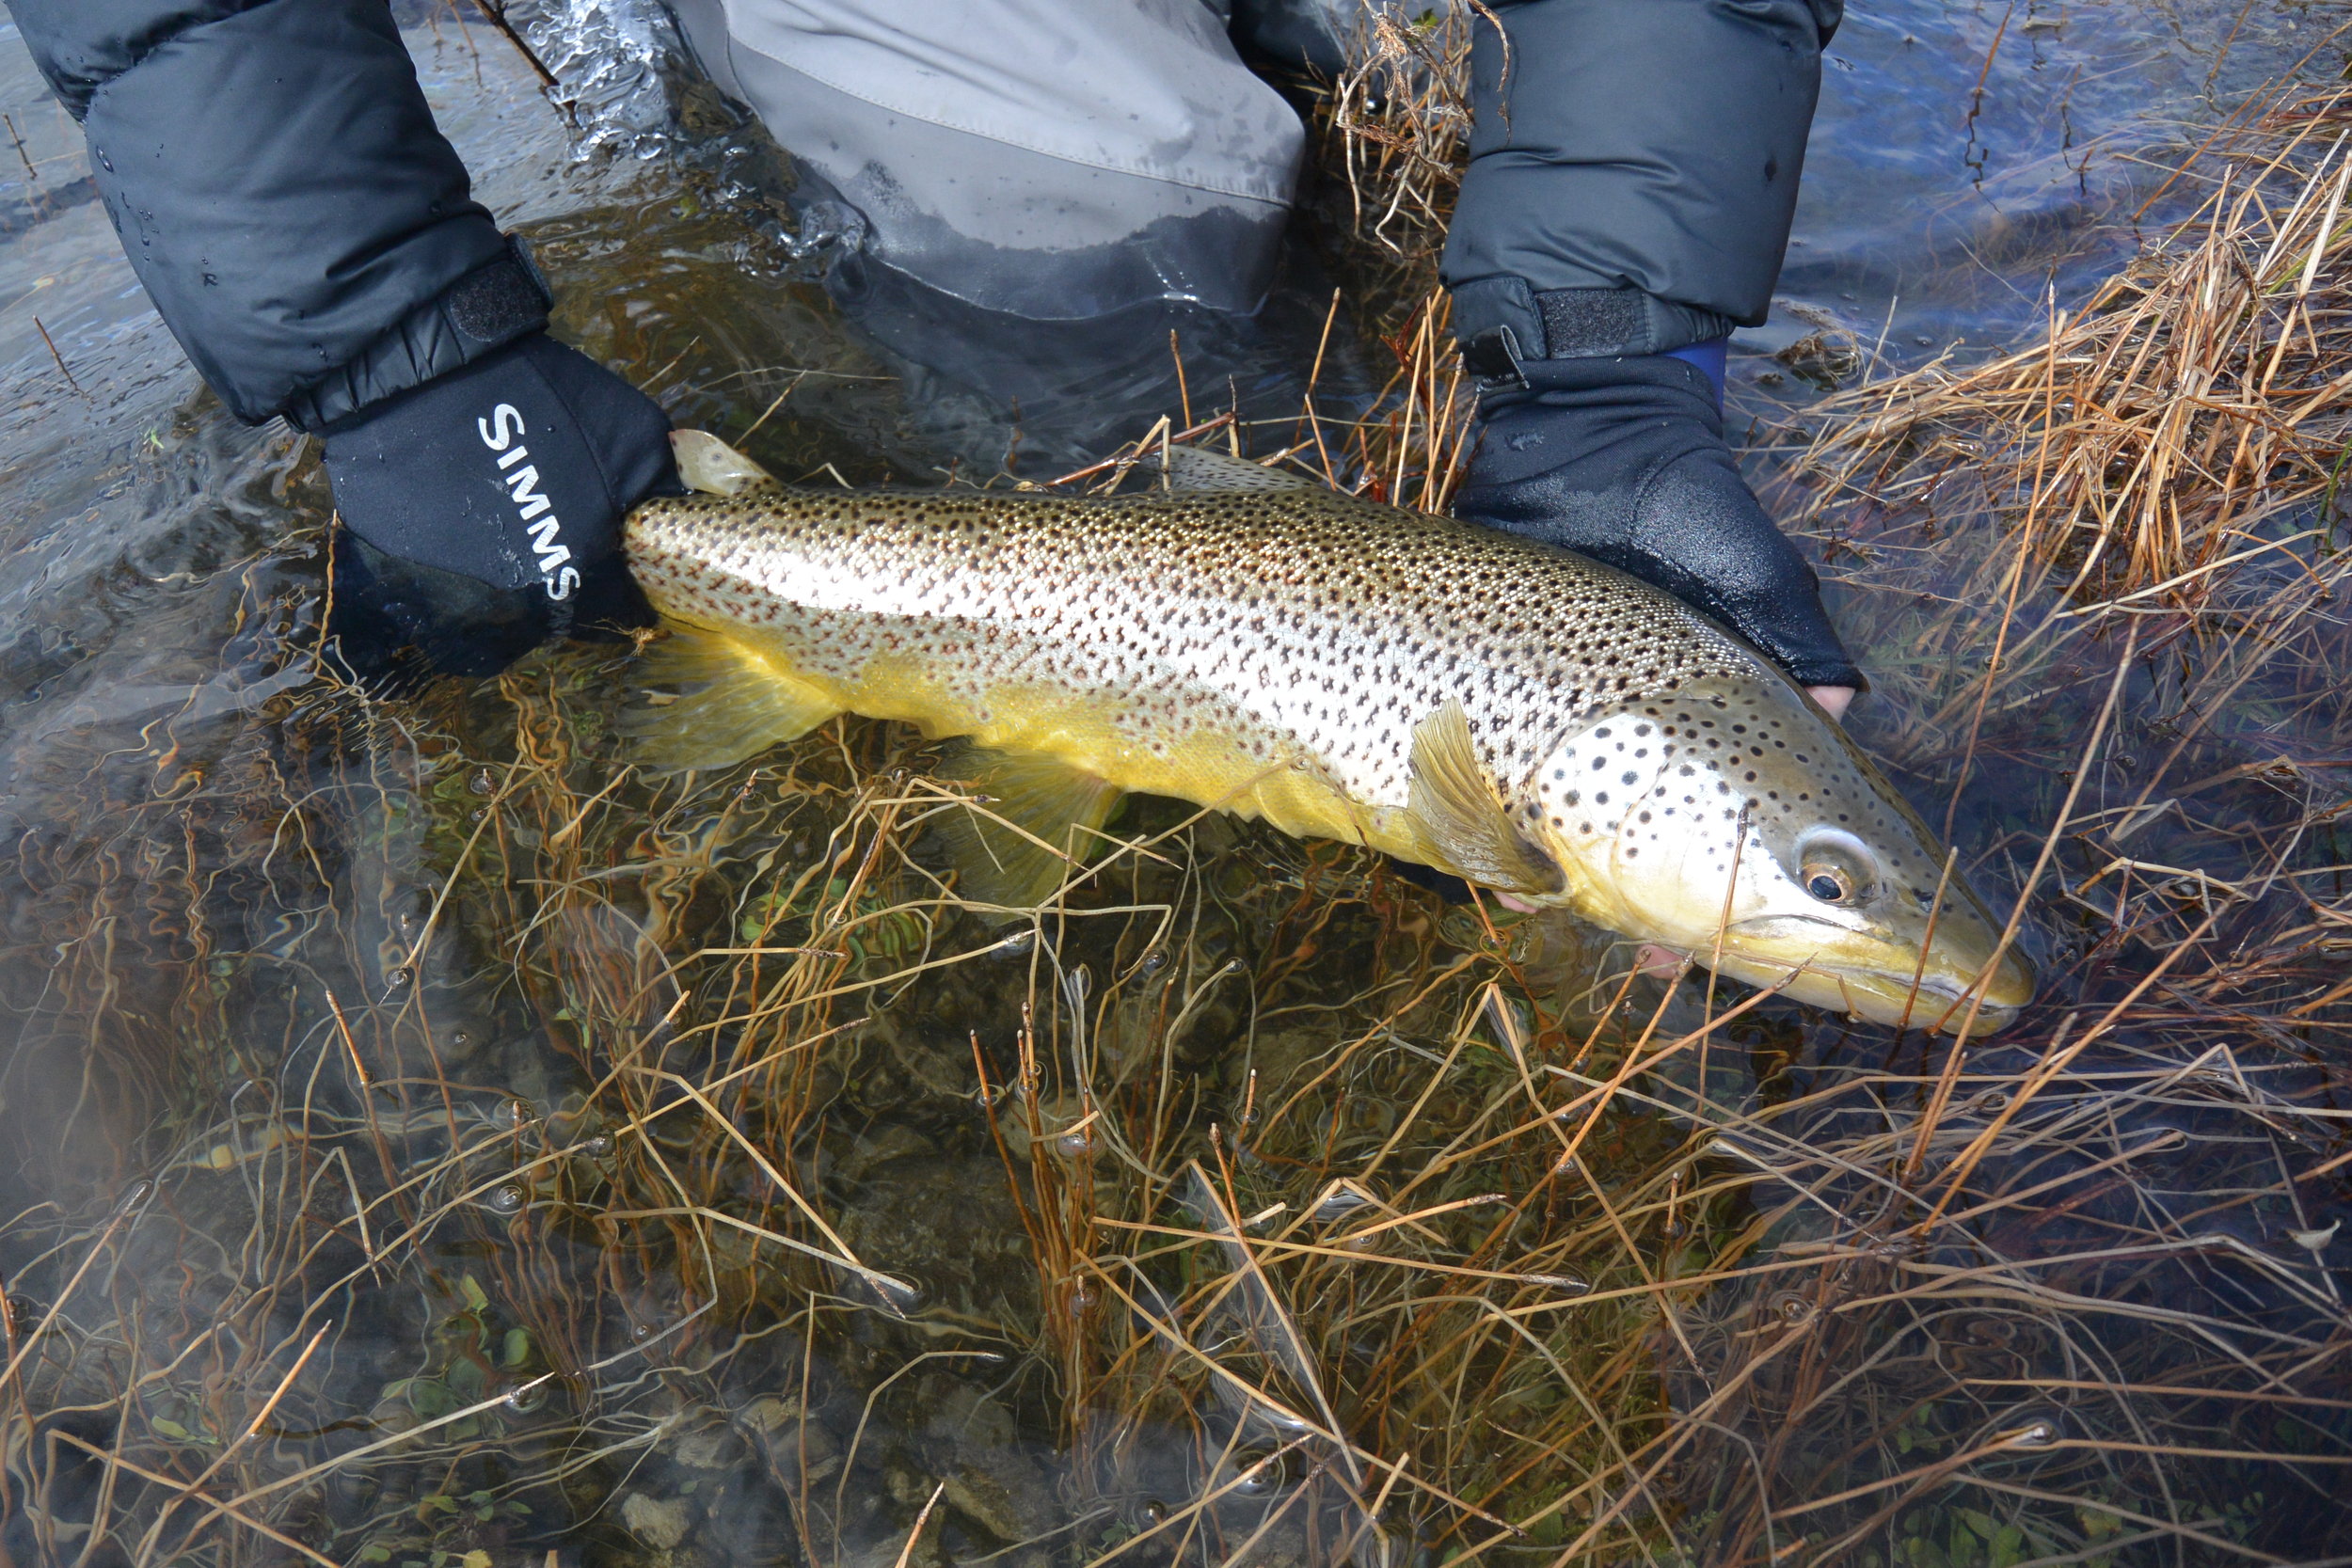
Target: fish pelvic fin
{"x":1463,"y":817}
{"x":1199,"y":469}
{"x":1034,"y":824}
{"x":707,"y":702}
{"x":706,"y":464}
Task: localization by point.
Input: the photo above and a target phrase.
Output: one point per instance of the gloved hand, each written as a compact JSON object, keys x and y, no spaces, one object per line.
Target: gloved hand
{"x":487,"y":504}
{"x":1622,"y":458}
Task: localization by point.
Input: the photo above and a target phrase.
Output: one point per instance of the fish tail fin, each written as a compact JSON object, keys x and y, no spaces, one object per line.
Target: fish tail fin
{"x":706,"y":464}
{"x":708,"y":701}
{"x":1030,"y":830}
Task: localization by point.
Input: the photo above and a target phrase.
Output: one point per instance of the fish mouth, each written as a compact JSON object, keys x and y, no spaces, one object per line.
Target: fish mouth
{"x":1946,"y":998}
{"x":1940,"y":1004}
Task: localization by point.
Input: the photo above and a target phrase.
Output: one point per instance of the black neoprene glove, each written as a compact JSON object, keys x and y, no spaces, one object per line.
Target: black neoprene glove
{"x":1622,"y":458}
{"x":487,"y":504}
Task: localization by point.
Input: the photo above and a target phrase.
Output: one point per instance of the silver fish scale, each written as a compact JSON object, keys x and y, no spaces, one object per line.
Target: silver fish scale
{"x":1323,"y":627}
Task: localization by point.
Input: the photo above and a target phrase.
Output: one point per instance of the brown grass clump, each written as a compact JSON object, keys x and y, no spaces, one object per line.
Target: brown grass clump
{"x":1395,"y":133}
{"x":2158,"y":434}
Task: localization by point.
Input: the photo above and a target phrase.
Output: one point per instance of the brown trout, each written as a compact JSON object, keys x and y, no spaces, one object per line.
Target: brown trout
{"x":1525,"y":719}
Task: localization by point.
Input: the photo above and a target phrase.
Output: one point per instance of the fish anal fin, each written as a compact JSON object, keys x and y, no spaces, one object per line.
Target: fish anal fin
{"x":1198,"y":469}
{"x":1046,"y":806}
{"x":706,"y":464}
{"x":707,"y":702}
{"x":1459,"y":812}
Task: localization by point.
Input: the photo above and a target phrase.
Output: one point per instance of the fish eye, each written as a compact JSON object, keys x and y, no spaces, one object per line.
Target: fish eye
{"x":1836,"y":867}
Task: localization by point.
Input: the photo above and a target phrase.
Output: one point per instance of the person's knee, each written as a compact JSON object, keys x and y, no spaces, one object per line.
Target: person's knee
{"x":1122,"y":156}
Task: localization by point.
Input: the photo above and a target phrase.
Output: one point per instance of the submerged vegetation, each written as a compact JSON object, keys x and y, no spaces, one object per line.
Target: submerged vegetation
{"x":509,"y":1155}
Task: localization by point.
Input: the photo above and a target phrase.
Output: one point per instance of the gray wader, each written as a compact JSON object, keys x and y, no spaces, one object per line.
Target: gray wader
{"x":1052,"y":159}
{"x":1635,"y":160}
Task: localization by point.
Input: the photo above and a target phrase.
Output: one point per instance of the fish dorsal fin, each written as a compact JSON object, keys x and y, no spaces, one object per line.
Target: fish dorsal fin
{"x":1457,"y":807}
{"x":1198,"y":468}
{"x":1046,"y":806}
{"x":706,"y":464}
{"x":708,"y":701}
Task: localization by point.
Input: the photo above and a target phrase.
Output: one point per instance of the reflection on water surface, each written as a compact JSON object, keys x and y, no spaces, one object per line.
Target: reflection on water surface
{"x":430,"y":1142}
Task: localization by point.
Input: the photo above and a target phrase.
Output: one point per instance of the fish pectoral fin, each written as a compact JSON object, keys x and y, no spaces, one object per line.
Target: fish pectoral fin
{"x":706,"y":464}
{"x":1463,"y":817}
{"x":705,"y":702}
{"x":1198,"y":468}
{"x":1049,"y":811}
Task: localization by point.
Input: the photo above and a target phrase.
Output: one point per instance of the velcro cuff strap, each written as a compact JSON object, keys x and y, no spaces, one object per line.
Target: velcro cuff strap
{"x":499,"y":302}
{"x":486,"y":310}
{"x":1583,"y":324}
{"x":1504,"y":323}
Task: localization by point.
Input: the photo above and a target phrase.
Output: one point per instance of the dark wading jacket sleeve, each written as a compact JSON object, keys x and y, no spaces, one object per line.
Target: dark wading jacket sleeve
{"x":1633,"y":168}
{"x":281,"y":187}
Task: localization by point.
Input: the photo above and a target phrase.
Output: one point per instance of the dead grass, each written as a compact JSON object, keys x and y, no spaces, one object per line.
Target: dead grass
{"x":521,"y":1153}
{"x":1352,"y":1220}
{"x":2157,"y":434}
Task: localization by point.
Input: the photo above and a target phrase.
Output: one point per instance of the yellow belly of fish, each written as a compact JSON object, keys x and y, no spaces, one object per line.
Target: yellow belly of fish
{"x":1103,"y":736}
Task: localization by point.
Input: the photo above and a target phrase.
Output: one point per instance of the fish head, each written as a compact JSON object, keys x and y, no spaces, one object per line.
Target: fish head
{"x":1733,"y":822}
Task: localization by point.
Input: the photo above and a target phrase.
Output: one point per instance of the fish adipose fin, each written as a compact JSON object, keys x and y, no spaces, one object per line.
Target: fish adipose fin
{"x":705,"y":701}
{"x":1198,"y":468}
{"x":1463,"y":817}
{"x":1042,"y":800}
{"x":706,"y":464}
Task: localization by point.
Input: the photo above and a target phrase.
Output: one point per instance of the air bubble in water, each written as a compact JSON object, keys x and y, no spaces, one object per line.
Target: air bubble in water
{"x":1339,"y":1202}
{"x":2039,"y":1433}
{"x":901,"y":1294}
{"x":1257,"y":1472}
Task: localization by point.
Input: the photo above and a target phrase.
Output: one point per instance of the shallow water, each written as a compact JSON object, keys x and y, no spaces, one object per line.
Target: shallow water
{"x":375,"y":1059}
